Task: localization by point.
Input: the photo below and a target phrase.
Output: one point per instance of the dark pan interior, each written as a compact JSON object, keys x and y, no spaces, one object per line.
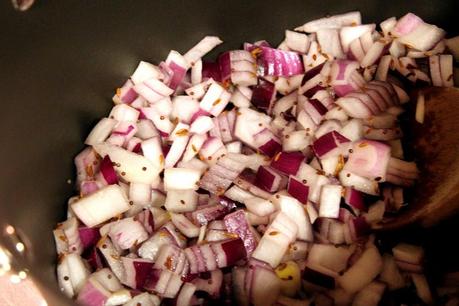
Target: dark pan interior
{"x":61,"y":61}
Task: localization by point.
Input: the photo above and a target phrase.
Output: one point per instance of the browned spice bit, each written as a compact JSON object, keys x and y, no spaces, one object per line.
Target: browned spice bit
{"x":123,"y":173}
{"x":209,"y":282}
{"x":162,"y":117}
{"x":115,"y":257}
{"x":113,"y":164}
{"x":220,"y":190}
{"x":238,"y":113}
{"x":182,"y":202}
{"x":273,"y":233}
{"x":168,"y":262}
{"x":138,"y":304}
{"x":378,"y":178}
{"x":362,"y":145}
{"x":305,"y":181}
{"x":182,"y":132}
{"x":223,"y":130}
{"x":118,"y":164}
{"x":320,"y":172}
{"x":104,"y":246}
{"x":175,"y":121}
{"x":209,"y":158}
{"x":287,"y":136}
{"x":216,"y":102}
{"x":66,"y":278}
{"x":89,"y":170}
{"x":193,"y":147}
{"x":348,"y":175}
{"x":277,"y":196}
{"x":255,"y":52}
{"x":131,"y":203}
{"x":109,"y":276}
{"x":282,"y":266}
{"x":63,"y":238}
{"x":351,"y":151}
{"x":111,"y":117}
{"x":144,"y":168}
{"x":276,"y":158}
{"x":191,"y":93}
{"x":314,"y":57}
{"x":260,"y":124}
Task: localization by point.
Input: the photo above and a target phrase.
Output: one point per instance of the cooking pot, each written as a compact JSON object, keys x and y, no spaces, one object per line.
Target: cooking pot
{"x":61,"y":61}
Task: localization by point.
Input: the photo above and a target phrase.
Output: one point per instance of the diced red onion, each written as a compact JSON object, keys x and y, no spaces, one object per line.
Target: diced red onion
{"x":287,"y":162}
{"x":369,"y":159}
{"x":330,"y":198}
{"x":269,"y":179}
{"x":236,"y":223}
{"x":263,"y":95}
{"x":88,"y":236}
{"x":332,"y":22}
{"x":93,"y":294}
{"x":277,"y":62}
{"x":330,"y":144}
{"x":298,"y":190}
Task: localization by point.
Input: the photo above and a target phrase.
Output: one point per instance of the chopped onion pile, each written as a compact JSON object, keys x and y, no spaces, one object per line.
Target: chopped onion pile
{"x":255,"y":179}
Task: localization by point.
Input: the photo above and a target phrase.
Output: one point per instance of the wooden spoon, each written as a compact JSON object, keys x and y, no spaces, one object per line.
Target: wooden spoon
{"x":436,"y":147}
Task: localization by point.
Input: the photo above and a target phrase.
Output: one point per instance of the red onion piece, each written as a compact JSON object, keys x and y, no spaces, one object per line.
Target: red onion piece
{"x":332,"y":22}
{"x":186,"y":294}
{"x":277,"y":62}
{"x":93,"y":294}
{"x":330,"y":144}
{"x":264,"y":287}
{"x":354,"y":198}
{"x":88,"y":236}
{"x":269,"y":179}
{"x":137,"y":271}
{"x":298,"y":190}
{"x":107,"y":170}
{"x":367,"y":267}
{"x":330,"y":199}
{"x":263,"y":95}
{"x":267,"y":142}
{"x":222,"y":254}
{"x":288,"y":162}
{"x":206,"y":213}
{"x":236,"y":223}
{"x":369,"y":159}
{"x":211,"y":70}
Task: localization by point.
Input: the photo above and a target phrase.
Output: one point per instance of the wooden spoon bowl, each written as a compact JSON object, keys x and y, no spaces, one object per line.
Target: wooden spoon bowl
{"x":436,"y":147}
